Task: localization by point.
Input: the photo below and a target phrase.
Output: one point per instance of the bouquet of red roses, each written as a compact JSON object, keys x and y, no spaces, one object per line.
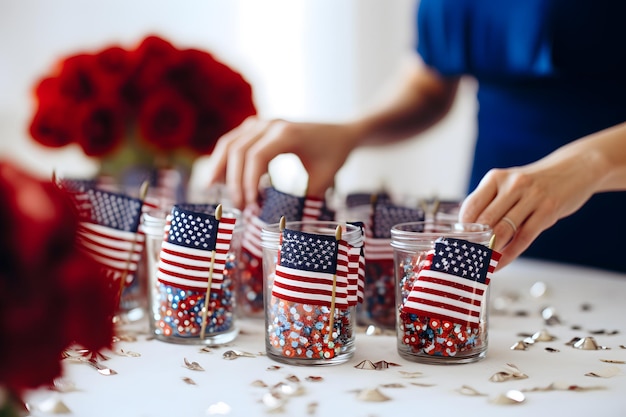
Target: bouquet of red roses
{"x":51,"y":294}
{"x":154,"y":101}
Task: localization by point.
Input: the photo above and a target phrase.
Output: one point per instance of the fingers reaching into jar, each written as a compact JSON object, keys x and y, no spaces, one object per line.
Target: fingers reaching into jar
{"x":241,"y":157}
{"x":521,"y":202}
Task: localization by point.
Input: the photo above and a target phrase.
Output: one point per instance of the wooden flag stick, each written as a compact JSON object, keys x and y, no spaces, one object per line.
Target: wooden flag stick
{"x":205,"y":310}
{"x":492,"y":242}
{"x":331,"y":320}
{"x":282,"y":223}
{"x":435,"y":207}
{"x":143,"y":191}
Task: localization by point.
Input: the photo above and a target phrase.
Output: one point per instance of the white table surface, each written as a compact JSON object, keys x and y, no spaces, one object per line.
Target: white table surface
{"x":152,"y":384}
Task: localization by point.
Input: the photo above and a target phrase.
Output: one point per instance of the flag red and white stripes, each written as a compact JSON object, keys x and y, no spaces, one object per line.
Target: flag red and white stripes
{"x":187,"y":267}
{"x":118,"y":251}
{"x":311,"y":269}
{"x":452,"y":283}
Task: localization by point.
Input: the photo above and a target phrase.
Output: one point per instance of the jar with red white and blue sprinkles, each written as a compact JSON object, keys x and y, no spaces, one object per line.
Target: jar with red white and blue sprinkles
{"x":301,"y":327}
{"x":442,"y":272}
{"x":184,"y":307}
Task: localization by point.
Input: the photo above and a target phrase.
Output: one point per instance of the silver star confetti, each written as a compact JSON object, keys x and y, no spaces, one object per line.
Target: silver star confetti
{"x":194,"y":366}
{"x":365,"y":364}
{"x":102,"y":370}
{"x":563,"y":386}
{"x":189,"y":381}
{"x":510,"y":397}
{"x":372,"y":395}
{"x":291,"y":390}
{"x":234,"y":354}
{"x":588,"y":343}
{"x":384,"y":364}
{"x":513,"y":372}
{"x":292,"y":378}
{"x":550,"y":317}
{"x":127,"y":353}
{"x":613,"y":361}
{"x":521,"y":345}
{"x":607,"y":372}
{"x":467,"y":390}
{"x":543,"y":336}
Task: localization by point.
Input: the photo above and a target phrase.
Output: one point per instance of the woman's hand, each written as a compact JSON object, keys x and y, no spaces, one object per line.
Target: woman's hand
{"x":521,"y":202}
{"x":241,"y":157}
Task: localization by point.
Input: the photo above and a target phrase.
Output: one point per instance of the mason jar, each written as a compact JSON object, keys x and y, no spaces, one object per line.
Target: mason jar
{"x":298,"y":329}
{"x":442,"y":271}
{"x":177,"y":311}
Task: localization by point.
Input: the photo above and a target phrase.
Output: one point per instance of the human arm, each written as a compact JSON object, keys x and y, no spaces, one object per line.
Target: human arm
{"x":242,"y":156}
{"x":535,"y":196}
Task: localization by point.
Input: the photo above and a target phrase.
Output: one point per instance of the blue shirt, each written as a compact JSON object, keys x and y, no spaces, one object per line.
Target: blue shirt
{"x":548,"y":72}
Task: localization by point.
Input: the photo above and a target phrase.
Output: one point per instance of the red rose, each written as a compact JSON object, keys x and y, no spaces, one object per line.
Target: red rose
{"x":167,"y":120}
{"x":100,"y":128}
{"x":51,"y":294}
{"x":227,"y":102}
{"x":177,"y":99}
{"x":77,"y":80}
{"x":113,"y":66}
{"x":151,"y":58}
{"x":50,"y":125}
{"x":114,"y":63}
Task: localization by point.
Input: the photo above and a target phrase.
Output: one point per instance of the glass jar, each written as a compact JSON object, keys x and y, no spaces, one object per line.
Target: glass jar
{"x":297,"y":332}
{"x":176,"y":311}
{"x":436,"y":323}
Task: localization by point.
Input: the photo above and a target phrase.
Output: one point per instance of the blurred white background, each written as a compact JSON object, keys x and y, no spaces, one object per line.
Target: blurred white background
{"x":306,"y":59}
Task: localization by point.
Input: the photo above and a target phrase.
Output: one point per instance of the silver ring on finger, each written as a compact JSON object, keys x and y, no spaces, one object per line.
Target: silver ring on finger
{"x":510,"y":223}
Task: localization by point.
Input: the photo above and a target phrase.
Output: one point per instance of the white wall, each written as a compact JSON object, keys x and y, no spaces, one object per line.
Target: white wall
{"x":307,"y":60}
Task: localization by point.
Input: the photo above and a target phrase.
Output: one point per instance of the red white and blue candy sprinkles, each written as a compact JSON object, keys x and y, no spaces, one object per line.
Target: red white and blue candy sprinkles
{"x":301,"y":331}
{"x":379,"y":302}
{"x":179,"y":311}
{"x":250,"y":284}
{"x":433,"y":336}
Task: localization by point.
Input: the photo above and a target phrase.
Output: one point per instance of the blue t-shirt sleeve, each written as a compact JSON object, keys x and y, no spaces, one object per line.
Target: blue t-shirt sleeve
{"x":487,"y":38}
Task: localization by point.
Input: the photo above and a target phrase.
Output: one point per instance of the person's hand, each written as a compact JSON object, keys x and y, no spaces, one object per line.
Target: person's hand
{"x":521,"y":202}
{"x":241,"y":157}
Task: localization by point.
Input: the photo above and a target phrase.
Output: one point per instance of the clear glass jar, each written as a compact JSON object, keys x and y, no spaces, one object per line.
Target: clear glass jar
{"x":379,"y":302}
{"x":176,"y":313}
{"x":298,"y":333}
{"x":432,"y":329}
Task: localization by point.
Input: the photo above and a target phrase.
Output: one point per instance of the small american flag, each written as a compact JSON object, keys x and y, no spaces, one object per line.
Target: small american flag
{"x":277,"y":204}
{"x":384,"y":216}
{"x":108,"y":231}
{"x":363,"y":199}
{"x":451,"y":285}
{"x":76,"y":190}
{"x":308,"y":268}
{"x":190,"y":239}
{"x":356,"y":268}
